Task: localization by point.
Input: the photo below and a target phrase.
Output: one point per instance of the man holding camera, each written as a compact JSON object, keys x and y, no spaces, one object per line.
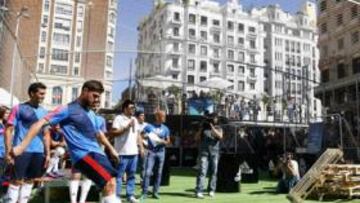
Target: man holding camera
{"x":209,"y":135}
{"x":290,"y":170}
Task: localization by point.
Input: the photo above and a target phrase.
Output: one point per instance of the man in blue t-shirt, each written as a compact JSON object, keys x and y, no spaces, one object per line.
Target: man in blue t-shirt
{"x":158,"y":137}
{"x":33,"y":162}
{"x":82,"y":133}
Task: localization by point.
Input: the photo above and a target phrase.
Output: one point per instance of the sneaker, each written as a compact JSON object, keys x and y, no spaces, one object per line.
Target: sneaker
{"x":199,"y":195}
{"x":212,"y":194}
{"x":132,"y":199}
{"x":143,"y":196}
{"x":156,"y":196}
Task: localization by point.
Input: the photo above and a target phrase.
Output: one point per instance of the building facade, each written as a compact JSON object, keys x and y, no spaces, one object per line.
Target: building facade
{"x":252,"y":49}
{"x":339,"y":58}
{"x":291,"y":57}
{"x":201,"y":40}
{"x":67,"y":42}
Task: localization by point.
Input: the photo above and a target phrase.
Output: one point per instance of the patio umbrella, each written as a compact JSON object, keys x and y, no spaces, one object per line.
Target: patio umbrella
{"x":159,"y":81}
{"x":5,"y":98}
{"x":215,"y":83}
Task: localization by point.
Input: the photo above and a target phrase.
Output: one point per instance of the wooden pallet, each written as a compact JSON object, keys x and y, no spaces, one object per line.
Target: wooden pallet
{"x":310,"y":180}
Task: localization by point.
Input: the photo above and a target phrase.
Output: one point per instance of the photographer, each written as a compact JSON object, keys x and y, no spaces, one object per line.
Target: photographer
{"x":290,"y":170}
{"x":209,"y":135}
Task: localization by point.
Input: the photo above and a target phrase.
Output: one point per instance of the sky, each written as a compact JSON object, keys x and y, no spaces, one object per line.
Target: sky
{"x":130,"y":13}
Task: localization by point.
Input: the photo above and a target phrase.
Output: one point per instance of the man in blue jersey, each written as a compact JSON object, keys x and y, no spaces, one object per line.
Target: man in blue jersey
{"x":82,"y":133}
{"x":33,"y":162}
{"x":158,"y":137}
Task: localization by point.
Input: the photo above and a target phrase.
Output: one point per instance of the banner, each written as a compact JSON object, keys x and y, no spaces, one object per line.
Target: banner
{"x":316,"y":131}
{"x":199,"y":106}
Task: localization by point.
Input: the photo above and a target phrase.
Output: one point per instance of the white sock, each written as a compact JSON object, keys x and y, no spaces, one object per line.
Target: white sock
{"x":25,"y":192}
{"x":12,"y":194}
{"x":56,"y":164}
{"x":74,"y":188}
{"x":85,"y":188}
{"x":111,"y":199}
{"x":51,"y":165}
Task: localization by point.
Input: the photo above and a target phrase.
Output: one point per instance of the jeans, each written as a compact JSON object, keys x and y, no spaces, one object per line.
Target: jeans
{"x":151,"y":159}
{"x":205,"y":160}
{"x":142,"y":164}
{"x":285,"y":185}
{"x":127,"y":165}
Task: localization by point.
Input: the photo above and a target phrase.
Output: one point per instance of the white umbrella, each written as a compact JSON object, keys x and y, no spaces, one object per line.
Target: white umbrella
{"x":5,"y":98}
{"x":215,"y":83}
{"x":159,"y":81}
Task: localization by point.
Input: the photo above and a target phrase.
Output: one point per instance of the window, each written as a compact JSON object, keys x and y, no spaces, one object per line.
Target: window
{"x":230,"y":68}
{"x":57,"y":94}
{"x":175,"y":62}
{"x":110,"y":46}
{"x":107,"y":99}
{"x":176,"y":16}
{"x":203,"y":21}
{"x":278,"y":28}
{"x":323,"y":6}
{"x":216,"y":38}
{"x":356,"y":65}
{"x":77,"y":57}
{"x":64,"y":9}
{"x":174,"y":76}
{"x":252,"y":29}
{"x":191,"y":79}
{"x":323,"y":28}
{"x":176,"y":31}
{"x":203,"y":66}
{"x":40,"y":68}
{"x":192,"y":18}
{"x":230,"y":40}
{"x":192,"y":49}
{"x":241,"y":41}
{"x":230,"y":54}
{"x":252,"y":58}
{"x":325,"y":76}
{"x":241,"y":85}
{"x":74,"y":93}
{"x":203,"y":51}
{"x":216,"y":67}
{"x":340,"y":43}
{"x":109,"y":61}
{"x":46,"y":5}
{"x":112,"y":32}
{"x":216,"y":53}
{"x":341,"y":70}
{"x":81,"y":12}
{"x":252,"y":86}
{"x":112,"y":17}
{"x":76,"y":71}
{"x":354,"y":12}
{"x":241,"y":70}
{"x":63,"y":24}
{"x":61,"y":39}
{"x":43,"y":36}
{"x":230,"y":25}
{"x":57,"y":69}
{"x":191,"y":64}
{"x":45,"y":20}
{"x":216,"y":22}
{"x":355,"y":37}
{"x":202,"y":78}
{"x":252,"y":44}
{"x":241,"y":56}
{"x":59,"y":54}
{"x":203,"y":35}
{"x":241,"y":27}
{"x":232,"y":86}
{"x":192,"y":34}
{"x":176,"y":46}
{"x":78,"y":41}
{"x":339,"y":19}
{"x":252,"y":72}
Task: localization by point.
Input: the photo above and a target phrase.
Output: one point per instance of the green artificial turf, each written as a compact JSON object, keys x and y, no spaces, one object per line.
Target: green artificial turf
{"x":181,"y":190}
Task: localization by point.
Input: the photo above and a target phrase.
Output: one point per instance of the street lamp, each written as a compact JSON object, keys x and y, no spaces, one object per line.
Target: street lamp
{"x":22,"y":13}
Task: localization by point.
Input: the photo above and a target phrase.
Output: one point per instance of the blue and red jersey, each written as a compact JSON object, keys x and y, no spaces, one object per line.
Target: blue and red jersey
{"x":80,"y":126}
{"x":22,"y":117}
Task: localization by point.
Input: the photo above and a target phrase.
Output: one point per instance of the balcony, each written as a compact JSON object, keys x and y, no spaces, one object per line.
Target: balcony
{"x":251,"y":78}
{"x":175,"y":22}
{"x":215,"y":29}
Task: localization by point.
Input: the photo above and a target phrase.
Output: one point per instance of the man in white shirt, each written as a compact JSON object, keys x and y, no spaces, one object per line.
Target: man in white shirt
{"x":140,"y":116}
{"x":127,"y":144}
{"x":291,"y":175}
